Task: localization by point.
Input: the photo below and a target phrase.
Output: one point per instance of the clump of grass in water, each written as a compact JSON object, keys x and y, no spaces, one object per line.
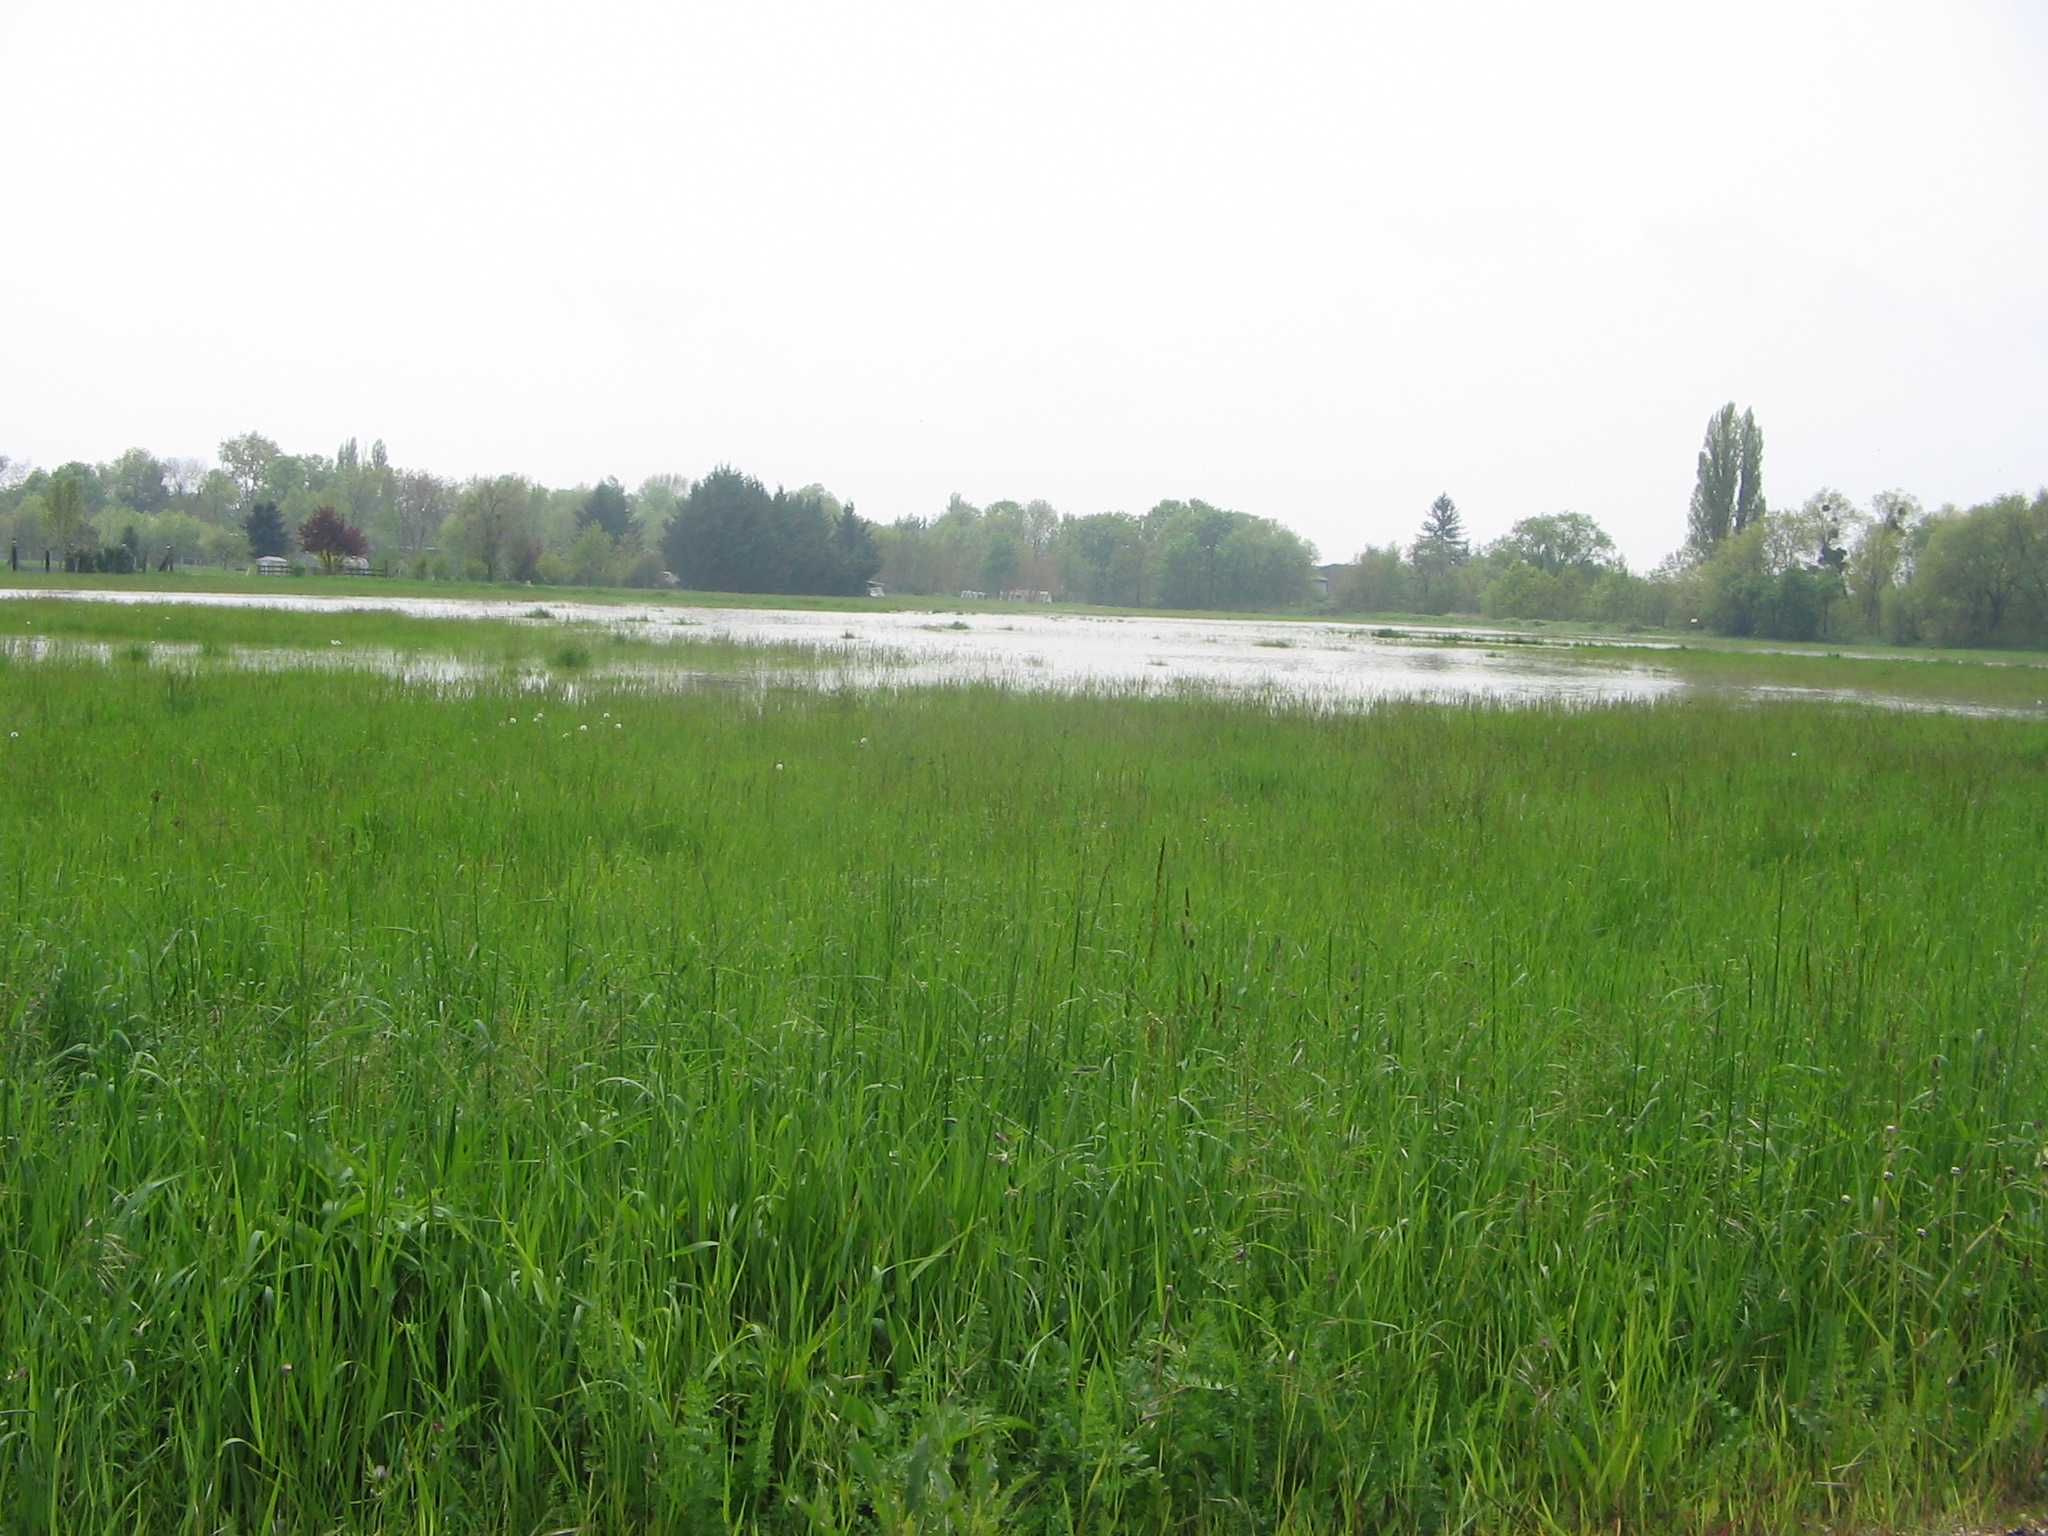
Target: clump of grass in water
{"x":1063,"y":1112}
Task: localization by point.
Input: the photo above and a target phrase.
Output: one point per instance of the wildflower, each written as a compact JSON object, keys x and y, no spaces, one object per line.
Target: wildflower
{"x":582,"y":727}
{"x":778,"y":767}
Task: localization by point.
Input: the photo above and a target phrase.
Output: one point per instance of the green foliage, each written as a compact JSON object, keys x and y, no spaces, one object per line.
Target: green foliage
{"x":1442,"y":540}
{"x":247,"y":460}
{"x":607,"y":507}
{"x":266,"y":532}
{"x":1102,"y":559}
{"x":1438,"y":559}
{"x":1753,"y":586}
{"x":1982,"y":578}
{"x":1377,"y":581}
{"x":1209,"y":558}
{"x":731,"y":535}
{"x":999,"y":561}
{"x":65,"y":512}
{"x":1728,"y":495}
{"x":138,"y":481}
{"x":1557,"y":542}
{"x":492,"y":528}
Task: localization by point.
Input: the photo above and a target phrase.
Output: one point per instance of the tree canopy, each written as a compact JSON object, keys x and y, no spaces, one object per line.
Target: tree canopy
{"x":731,"y":535}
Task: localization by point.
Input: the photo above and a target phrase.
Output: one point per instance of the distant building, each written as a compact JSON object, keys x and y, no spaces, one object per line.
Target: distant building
{"x":1323,"y":576}
{"x":970,"y":594}
{"x":272,"y":565}
{"x":1022,"y":596}
{"x":354,"y":565}
{"x":876,"y":589}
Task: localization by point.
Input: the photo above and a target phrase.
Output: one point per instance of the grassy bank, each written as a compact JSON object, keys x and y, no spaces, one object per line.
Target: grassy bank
{"x":960,"y":1110}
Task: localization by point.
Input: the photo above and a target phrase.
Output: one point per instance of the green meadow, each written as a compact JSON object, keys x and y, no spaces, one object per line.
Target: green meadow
{"x":553,"y":1104}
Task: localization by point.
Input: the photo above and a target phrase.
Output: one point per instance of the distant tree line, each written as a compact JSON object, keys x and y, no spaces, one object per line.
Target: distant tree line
{"x":1180,"y":554}
{"x":1825,"y":569}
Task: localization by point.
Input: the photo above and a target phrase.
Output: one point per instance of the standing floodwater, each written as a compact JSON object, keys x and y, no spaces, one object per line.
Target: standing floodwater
{"x":1310,"y":661}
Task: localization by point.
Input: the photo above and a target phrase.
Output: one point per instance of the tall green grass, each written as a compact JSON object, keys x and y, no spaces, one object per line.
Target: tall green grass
{"x":971,"y":1111}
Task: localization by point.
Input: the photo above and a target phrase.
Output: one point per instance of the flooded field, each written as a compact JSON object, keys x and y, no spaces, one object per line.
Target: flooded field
{"x":1307,"y":661}
{"x":665,"y":647}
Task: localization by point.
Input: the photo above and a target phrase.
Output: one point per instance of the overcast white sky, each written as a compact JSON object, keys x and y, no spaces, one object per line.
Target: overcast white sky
{"x":1317,"y":262}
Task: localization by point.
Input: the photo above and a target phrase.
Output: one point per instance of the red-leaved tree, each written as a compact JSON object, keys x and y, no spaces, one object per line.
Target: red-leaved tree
{"x":332,"y":537}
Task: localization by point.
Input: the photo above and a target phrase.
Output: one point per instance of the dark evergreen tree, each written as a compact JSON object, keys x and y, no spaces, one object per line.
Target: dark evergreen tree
{"x":1442,"y":541}
{"x":731,"y":535}
{"x":608,"y":506}
{"x":266,"y":530}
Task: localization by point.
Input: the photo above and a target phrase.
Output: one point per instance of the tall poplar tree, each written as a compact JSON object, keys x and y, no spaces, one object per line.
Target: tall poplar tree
{"x":1729,"y":493}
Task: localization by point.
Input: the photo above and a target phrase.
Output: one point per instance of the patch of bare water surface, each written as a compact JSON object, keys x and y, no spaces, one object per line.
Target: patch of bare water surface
{"x":1282,"y":660}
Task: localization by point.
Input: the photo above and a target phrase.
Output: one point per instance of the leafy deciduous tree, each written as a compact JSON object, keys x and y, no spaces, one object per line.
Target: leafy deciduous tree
{"x":490,"y":524}
{"x":138,"y":481}
{"x":1556,"y":541}
{"x":248,"y":459}
{"x":64,"y":505}
{"x":332,"y":537}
